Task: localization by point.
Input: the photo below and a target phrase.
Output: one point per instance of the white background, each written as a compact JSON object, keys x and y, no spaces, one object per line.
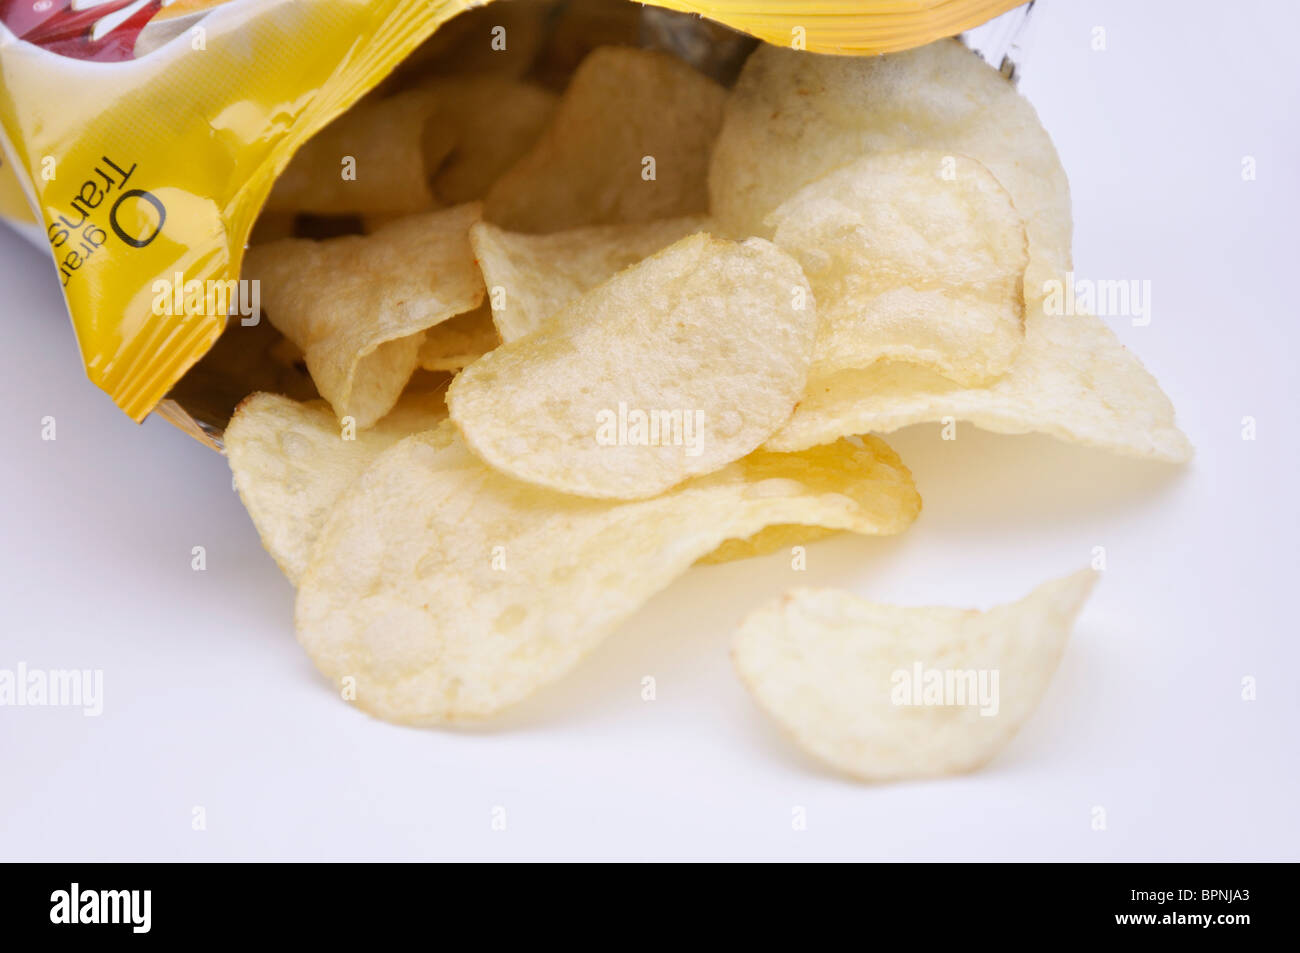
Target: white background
{"x":209,"y":702}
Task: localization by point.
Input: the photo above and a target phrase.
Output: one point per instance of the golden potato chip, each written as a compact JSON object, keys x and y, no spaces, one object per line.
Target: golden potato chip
{"x":764,"y":542}
{"x":358,"y":306}
{"x":370,"y":159}
{"x":531,"y":277}
{"x":490,"y":122}
{"x":913,"y":256}
{"x":672,"y":368}
{"x":292,"y":461}
{"x":795,"y":116}
{"x":1072,"y":379}
{"x":630,"y":142}
{"x":450,"y":591}
{"x":460,"y":341}
{"x":885,"y":693}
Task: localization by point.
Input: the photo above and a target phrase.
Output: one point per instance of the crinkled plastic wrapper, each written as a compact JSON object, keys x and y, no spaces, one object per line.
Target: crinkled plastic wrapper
{"x":141,"y":139}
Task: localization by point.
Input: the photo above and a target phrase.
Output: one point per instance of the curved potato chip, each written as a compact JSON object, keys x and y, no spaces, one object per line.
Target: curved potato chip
{"x":490,"y":121}
{"x":450,"y":591}
{"x":460,"y":341}
{"x":912,"y":256}
{"x":765,"y":541}
{"x":630,"y":142}
{"x":291,"y":462}
{"x":884,"y":693}
{"x":358,"y":305}
{"x":672,"y":368}
{"x":383,"y":138}
{"x":1072,"y":379}
{"x":795,"y":116}
{"x":530,"y":277}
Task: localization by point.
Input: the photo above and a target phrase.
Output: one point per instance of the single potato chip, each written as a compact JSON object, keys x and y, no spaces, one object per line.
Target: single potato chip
{"x":913,"y":256}
{"x":370,"y":159}
{"x":531,"y":277}
{"x":630,"y":142}
{"x":450,"y":591}
{"x":358,"y":305}
{"x":292,"y":461}
{"x":1072,"y":379}
{"x":885,"y":693}
{"x":490,"y":121}
{"x":459,"y":342}
{"x":764,"y":542}
{"x":795,"y":116}
{"x":672,"y":368}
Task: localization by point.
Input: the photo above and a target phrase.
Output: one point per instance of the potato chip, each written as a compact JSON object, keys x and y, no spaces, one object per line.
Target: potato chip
{"x":450,"y":591}
{"x":358,"y":306}
{"x":491,"y":121}
{"x":630,"y":142}
{"x":501,"y":39}
{"x":885,"y":693}
{"x":1072,"y":379}
{"x":531,"y":277}
{"x":765,"y":542}
{"x":672,"y":368}
{"x":370,"y":159}
{"x":913,"y":256}
{"x":292,"y":461}
{"x":795,"y":116}
{"x":457,"y":343}
{"x":579,"y":27}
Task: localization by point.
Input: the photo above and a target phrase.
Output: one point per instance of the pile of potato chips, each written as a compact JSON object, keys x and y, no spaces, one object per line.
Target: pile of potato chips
{"x":581,"y":314}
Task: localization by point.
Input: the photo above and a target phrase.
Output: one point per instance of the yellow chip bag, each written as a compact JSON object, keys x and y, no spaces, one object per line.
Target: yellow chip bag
{"x":142,"y":138}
